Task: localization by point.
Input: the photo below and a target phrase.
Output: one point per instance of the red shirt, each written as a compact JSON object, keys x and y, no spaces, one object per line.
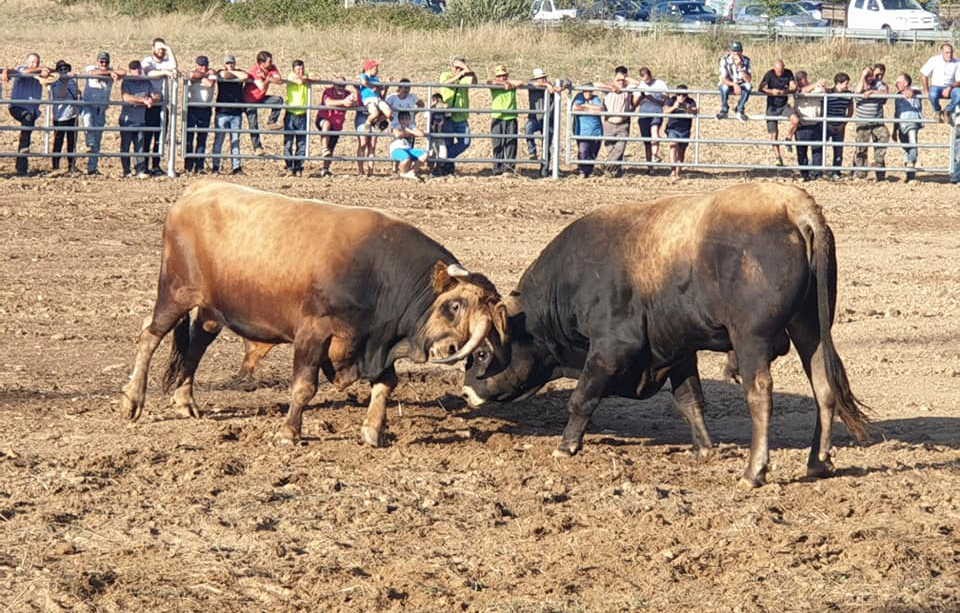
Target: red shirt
{"x":252,"y":93}
{"x":334,"y":116}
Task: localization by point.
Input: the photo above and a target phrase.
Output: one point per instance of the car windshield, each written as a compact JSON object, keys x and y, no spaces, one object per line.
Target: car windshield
{"x":901,"y":5}
{"x":791,"y":9}
{"x":690,"y":8}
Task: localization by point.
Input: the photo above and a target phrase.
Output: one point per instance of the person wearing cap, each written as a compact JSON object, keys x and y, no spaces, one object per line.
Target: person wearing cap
{"x":735,"y":76}
{"x":138,"y":96}
{"x":503,"y":122}
{"x":538,"y":88}
{"x":229,"y":117}
{"x":260,"y":77}
{"x":372,"y":94}
{"x":64,"y":91}
{"x":160,"y":66}
{"x":295,"y":119}
{"x":97,"y":87}
{"x":616,"y":124}
{"x":27,"y":87}
{"x":203,"y":80}
{"x":588,"y":106}
{"x":457,"y":101}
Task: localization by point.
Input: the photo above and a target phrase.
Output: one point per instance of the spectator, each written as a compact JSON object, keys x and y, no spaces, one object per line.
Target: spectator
{"x":371,"y":93}
{"x":229,"y":119}
{"x":651,"y":100}
{"x":616,"y":125}
{"x":260,"y":77}
{"x":65,"y":92}
{"x":27,"y":86}
{"x":587,"y":123}
{"x":503,"y":124}
{"x":199,"y":112}
{"x":777,"y":83}
{"x":404,"y":100}
{"x":680,"y":109}
{"x":93,"y":115}
{"x":402,"y":151}
{"x":162,"y":65}
{"x":941,"y":77}
{"x":908,"y":112}
{"x":810,"y":129}
{"x":838,"y":107}
{"x":870,"y":108}
{"x":538,"y":88}
{"x":338,"y":99}
{"x":457,"y":99}
{"x":138,"y":96}
{"x":735,"y":76}
{"x":438,"y":117}
{"x":295,"y":119}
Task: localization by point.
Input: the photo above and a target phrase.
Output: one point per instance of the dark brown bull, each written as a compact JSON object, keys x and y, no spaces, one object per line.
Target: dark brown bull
{"x":353,"y":289}
{"x":623,"y":299}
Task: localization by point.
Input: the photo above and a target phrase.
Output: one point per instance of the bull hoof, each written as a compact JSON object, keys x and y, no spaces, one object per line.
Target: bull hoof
{"x":750,"y":483}
{"x":820,"y":470}
{"x":188,"y":410}
{"x":565,"y":450}
{"x":287,"y":436}
{"x":371,"y":436}
{"x":132,"y":409}
{"x":705,"y":454}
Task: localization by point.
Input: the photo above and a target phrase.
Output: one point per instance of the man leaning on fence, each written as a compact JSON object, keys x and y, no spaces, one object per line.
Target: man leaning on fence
{"x":200,"y":92}
{"x":64,"y":91}
{"x":458,"y":122}
{"x":96,"y":98}
{"x":908,"y":111}
{"x":229,"y":119}
{"x":616,"y":125}
{"x":736,"y":78}
{"x":295,"y":119}
{"x":261,"y":76}
{"x":27,"y":88}
{"x":138,"y":97}
{"x":539,"y":89}
{"x":809,"y":102}
{"x":503,"y":123}
{"x":161,"y":65}
{"x":870,"y":107}
{"x":839,"y":108}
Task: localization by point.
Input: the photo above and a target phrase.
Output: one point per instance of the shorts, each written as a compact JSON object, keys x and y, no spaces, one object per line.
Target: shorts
{"x":402,"y":155}
{"x":784,"y":111}
{"x":646,"y":123}
{"x":360,"y":121}
{"x":675,"y":133}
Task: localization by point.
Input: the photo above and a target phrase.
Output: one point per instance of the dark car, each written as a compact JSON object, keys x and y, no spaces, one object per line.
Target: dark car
{"x":683,"y":11}
{"x":617,"y":10}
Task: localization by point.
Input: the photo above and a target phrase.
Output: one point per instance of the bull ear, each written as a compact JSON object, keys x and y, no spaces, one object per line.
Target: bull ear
{"x":442,"y":280}
{"x":500,"y":322}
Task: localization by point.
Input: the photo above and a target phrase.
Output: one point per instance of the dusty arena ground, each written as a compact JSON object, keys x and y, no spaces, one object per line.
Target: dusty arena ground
{"x":465,"y":509}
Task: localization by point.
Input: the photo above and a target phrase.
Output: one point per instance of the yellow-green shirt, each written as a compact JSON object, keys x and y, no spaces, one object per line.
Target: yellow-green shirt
{"x":297,"y":95}
{"x":456,"y":97}
{"x":503,"y":100}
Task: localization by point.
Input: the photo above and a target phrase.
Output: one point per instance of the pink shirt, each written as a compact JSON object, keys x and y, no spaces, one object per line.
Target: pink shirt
{"x":252,"y":93}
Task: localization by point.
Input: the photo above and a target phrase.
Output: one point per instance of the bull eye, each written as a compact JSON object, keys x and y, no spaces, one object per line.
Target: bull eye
{"x":482,"y":355}
{"x":454,"y":307}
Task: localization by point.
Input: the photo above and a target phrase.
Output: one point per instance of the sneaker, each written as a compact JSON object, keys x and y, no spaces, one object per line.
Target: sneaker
{"x":237,"y":171}
{"x":722,"y":115}
{"x":657,"y":159}
{"x":325,"y":152}
{"x":409,"y":175}
{"x":215,"y":170}
{"x":533,"y":156}
{"x":881,"y":176}
{"x":94,"y":173}
{"x":125,"y":175}
{"x":778,"y":162}
{"x":742,"y":116}
{"x":156,"y":172}
{"x":143,"y":175}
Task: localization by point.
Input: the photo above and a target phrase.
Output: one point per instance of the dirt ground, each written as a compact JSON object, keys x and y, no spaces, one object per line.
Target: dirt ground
{"x":465,"y":509}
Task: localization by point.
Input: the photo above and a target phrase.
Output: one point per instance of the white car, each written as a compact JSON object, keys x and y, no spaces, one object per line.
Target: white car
{"x":546,"y":10}
{"x":892,"y":15}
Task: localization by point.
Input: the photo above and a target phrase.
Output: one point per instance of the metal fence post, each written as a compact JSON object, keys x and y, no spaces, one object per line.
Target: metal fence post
{"x":172,"y":108}
{"x":306,"y":144}
{"x":47,"y":120}
{"x":555,"y":141}
{"x":823,"y":125}
{"x":696,"y":125}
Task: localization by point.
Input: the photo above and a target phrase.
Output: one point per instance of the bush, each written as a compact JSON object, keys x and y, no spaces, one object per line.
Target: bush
{"x":152,"y":7}
{"x":475,"y":12}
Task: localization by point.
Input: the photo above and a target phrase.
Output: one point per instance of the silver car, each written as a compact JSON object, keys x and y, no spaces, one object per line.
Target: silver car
{"x":790,"y":14}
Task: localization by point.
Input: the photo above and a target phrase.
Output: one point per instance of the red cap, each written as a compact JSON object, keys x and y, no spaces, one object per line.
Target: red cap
{"x":368,"y":64}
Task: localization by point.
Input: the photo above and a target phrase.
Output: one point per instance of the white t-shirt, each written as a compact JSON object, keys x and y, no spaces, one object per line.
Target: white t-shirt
{"x":941,"y":72}
{"x":151,"y":63}
{"x":401,"y":104}
{"x":202,"y":90}
{"x":96,"y":90}
{"x":653,"y":102}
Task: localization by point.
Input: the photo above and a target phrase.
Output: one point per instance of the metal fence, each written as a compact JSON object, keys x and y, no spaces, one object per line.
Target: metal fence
{"x":712,"y":143}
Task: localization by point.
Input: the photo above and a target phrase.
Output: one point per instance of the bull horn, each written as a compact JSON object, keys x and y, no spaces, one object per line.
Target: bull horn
{"x":478,"y":332}
{"x":456,"y":270}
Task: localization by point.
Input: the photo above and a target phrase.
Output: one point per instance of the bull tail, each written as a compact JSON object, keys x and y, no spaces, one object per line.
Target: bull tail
{"x":822,"y":257}
{"x":178,"y":352}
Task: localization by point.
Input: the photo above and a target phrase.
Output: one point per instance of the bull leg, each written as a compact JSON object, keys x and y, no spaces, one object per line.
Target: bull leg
{"x":308,"y":353}
{"x":731,"y":369}
{"x":600,"y":367}
{"x":688,"y":398}
{"x":254,"y":352}
{"x":203,"y":332}
{"x":758,"y":385}
{"x":374,"y":424}
{"x":166,"y":314}
{"x":806,"y":337}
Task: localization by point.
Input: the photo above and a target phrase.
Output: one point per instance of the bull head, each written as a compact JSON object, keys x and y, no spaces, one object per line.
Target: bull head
{"x":467,"y":306}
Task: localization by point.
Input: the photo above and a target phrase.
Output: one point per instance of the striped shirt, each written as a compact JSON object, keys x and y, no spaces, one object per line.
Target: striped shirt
{"x":838,"y":106}
{"x":871,"y":108}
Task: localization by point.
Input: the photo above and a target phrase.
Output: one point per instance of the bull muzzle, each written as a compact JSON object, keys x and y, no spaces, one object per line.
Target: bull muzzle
{"x":478,"y":331}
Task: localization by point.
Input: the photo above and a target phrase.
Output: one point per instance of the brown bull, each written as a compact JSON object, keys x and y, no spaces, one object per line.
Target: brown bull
{"x":353,"y":289}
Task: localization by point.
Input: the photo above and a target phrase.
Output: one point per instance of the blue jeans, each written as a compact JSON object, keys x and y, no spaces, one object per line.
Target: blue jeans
{"x":725,"y":94}
{"x":254,"y":121}
{"x":233,"y":123}
{"x":908,"y":139}
{"x":197,"y":118}
{"x":457,"y":144}
{"x":27,"y":118}
{"x":936,"y":92}
{"x":133,"y":140}
{"x":298,"y":124}
{"x":533,"y":128}
{"x":93,"y":117}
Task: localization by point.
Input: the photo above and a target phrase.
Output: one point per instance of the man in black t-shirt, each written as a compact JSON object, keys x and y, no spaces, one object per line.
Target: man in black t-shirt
{"x":229,"y":118}
{"x":777,"y":84}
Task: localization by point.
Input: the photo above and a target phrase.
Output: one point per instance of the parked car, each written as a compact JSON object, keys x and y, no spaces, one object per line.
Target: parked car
{"x":546,"y":10}
{"x":811,"y":7}
{"x":434,"y":6}
{"x":890,"y":15}
{"x":683,"y":11}
{"x":617,"y":10}
{"x":790,"y":14}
